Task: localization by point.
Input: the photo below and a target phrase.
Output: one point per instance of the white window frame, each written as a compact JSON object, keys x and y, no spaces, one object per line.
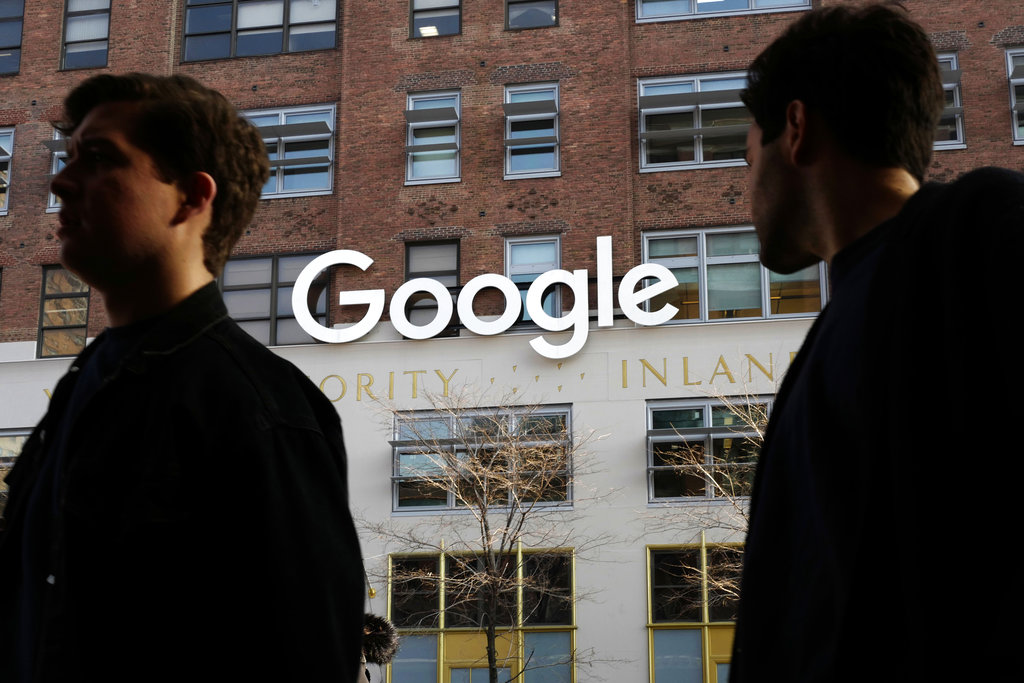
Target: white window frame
{"x":283,"y":133}
{"x":704,"y":435}
{"x":411,"y":446}
{"x":702,"y":260}
{"x":59,"y":153}
{"x":424,"y":118}
{"x":535,"y":269}
{"x":279,"y":293}
{"x":533,"y":110}
{"x":422,"y":307}
{"x":698,"y":101}
{"x":1015,"y":74}
{"x":8,"y":160}
{"x":688,"y":9}
{"x":950,"y":71}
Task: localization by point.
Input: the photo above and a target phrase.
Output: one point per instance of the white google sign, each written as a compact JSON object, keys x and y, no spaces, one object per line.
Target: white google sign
{"x":630,"y":300}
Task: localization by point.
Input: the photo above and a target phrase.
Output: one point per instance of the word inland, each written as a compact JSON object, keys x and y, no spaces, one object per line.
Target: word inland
{"x":630,"y":300}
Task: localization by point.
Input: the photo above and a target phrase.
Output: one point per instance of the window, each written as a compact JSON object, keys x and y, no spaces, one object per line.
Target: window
{"x":63,"y":313}
{"x":11,"y":443}
{"x":437,"y":261}
{"x":531,"y":131}
{"x":215,"y":29}
{"x":1015,"y":66}
{"x":703,"y":449}
{"x":300,"y":145}
{"x":86,"y":29}
{"x":432,"y":145}
{"x":950,"y":133}
{"x":692,"y":121}
{"x":720,"y":277}
{"x":258,"y":294}
{"x":11,"y":14}
{"x":528,"y":257}
{"x":531,"y":13}
{"x":6,"y":149}
{"x":693,"y":593}
{"x":58,"y":157}
{"x":436,"y":601}
{"x":483,"y":457}
{"x":660,"y":10}
{"x":432,"y":18}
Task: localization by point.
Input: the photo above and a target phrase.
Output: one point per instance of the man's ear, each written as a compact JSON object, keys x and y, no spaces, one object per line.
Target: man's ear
{"x":197,"y":193}
{"x":802,"y":134}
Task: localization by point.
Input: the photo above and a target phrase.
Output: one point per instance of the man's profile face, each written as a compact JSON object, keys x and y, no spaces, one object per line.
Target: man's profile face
{"x":117,"y":214}
{"x":776,"y":202}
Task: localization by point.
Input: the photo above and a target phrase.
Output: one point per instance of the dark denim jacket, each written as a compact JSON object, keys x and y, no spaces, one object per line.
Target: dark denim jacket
{"x":203,"y":525}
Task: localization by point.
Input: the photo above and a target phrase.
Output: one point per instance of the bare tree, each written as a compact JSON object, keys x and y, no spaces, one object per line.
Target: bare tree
{"x":512,"y":471}
{"x":720,"y":466}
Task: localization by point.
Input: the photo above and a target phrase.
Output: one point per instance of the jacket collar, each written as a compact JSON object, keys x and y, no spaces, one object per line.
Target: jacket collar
{"x":170,"y":331}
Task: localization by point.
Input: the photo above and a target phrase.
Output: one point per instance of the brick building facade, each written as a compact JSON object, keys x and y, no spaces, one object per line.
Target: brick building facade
{"x":454,"y":139}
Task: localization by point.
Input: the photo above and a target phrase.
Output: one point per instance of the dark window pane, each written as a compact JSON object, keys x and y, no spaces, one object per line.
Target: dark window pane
{"x":11,"y":8}
{"x":86,"y":55}
{"x":413,"y":494}
{"x":724,"y":568}
{"x":676,"y":585}
{"x":10,"y":61}
{"x":207,"y":47}
{"x":208,"y":19}
{"x":547,"y":589}
{"x":315,"y":37}
{"x":263,"y":42}
{"x":10,"y":33}
{"x":415,"y":599}
{"x":443,"y":22}
{"x":531,"y":14}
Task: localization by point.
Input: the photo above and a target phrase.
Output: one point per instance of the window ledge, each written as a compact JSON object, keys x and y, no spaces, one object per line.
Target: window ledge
{"x":954,"y":145}
{"x":693,"y":167}
{"x":289,"y":195}
{"x":539,"y":174}
{"x":706,"y":15}
{"x":434,"y":181}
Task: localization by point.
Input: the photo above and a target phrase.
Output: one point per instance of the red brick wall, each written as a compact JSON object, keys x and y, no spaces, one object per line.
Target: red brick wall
{"x":596,"y":54}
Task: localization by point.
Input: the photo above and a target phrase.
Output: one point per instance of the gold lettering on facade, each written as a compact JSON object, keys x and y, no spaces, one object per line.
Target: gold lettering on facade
{"x":769,"y":373}
{"x":686,"y":374}
{"x":362,"y":383}
{"x":448,"y":379}
{"x":724,"y":371}
{"x":323,"y":388}
{"x":49,"y":394}
{"x":662,"y":376}
{"x":415,"y":381}
{"x":625,"y":381}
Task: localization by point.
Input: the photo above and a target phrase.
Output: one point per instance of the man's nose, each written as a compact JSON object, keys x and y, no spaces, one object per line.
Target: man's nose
{"x":62,"y":183}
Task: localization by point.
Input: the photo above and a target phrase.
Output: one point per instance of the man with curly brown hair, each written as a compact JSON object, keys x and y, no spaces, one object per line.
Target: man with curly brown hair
{"x":182,"y":510}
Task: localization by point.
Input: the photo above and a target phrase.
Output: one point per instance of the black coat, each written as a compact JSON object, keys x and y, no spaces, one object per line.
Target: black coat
{"x":203,"y":526}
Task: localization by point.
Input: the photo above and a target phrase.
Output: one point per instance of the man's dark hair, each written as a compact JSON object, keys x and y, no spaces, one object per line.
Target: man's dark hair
{"x":187,"y":128}
{"x":869,"y":71}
